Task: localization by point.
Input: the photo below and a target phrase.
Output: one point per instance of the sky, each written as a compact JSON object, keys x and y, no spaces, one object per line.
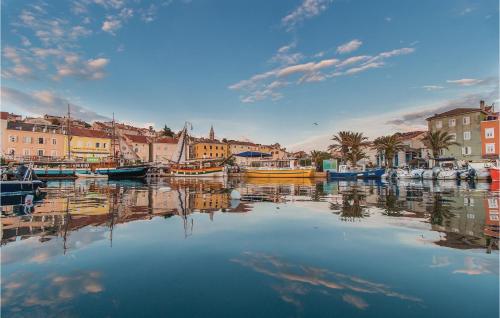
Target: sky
{"x":294,"y":72}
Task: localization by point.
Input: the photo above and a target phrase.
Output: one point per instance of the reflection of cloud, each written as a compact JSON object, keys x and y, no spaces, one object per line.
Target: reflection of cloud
{"x":475,"y":266}
{"x":440,"y":261}
{"x":355,"y":301}
{"x":43,"y":294}
{"x":300,"y":278}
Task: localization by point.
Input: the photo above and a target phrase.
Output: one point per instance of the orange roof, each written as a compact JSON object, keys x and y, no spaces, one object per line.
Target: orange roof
{"x":83,"y":132}
{"x":137,"y":138}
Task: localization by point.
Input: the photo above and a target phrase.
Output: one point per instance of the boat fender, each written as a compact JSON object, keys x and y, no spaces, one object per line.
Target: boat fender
{"x":235,"y":195}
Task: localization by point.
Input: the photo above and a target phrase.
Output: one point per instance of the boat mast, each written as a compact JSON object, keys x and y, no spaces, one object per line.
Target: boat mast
{"x":114,"y":137}
{"x":68,"y":132}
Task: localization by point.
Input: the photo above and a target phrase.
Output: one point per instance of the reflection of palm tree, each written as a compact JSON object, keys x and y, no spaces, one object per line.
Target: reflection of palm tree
{"x":389,"y":202}
{"x":318,"y":193}
{"x":351,"y":207}
{"x":439,"y":210}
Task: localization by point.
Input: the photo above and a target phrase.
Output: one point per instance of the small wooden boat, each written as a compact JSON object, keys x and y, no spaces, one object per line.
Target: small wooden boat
{"x":91,"y":175}
{"x":345,"y":173}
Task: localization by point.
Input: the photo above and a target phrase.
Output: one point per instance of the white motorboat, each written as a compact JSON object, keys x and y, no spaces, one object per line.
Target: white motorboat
{"x":403,"y":174}
{"x":416,"y":173}
{"x":447,"y":174}
{"x":91,"y":175}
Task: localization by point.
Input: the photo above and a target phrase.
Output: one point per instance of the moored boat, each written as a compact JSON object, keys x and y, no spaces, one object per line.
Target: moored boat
{"x":282,"y":168}
{"x":187,"y":170}
{"x":345,"y":173}
{"x":124,"y":172}
{"x":20,"y":181}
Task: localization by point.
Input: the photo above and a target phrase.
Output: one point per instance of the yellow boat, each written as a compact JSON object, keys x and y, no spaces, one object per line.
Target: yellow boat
{"x":284,"y":168}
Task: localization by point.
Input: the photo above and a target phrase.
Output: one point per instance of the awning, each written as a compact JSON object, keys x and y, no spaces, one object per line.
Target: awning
{"x":253,"y":154}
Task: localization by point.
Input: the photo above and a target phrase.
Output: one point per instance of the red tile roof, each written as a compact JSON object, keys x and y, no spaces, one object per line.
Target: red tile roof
{"x":166,"y":140}
{"x":83,"y":132}
{"x":137,"y":138}
{"x":457,"y":111}
{"x":4,"y":115}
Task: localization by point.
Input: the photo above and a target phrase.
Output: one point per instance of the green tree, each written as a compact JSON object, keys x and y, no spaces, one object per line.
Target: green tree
{"x":349,"y":144}
{"x":317,"y":158}
{"x":167,"y":132}
{"x":438,"y":140}
{"x":389,"y":146}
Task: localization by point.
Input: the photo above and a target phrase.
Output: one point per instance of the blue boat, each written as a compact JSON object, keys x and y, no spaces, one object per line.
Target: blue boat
{"x":19,"y":182}
{"x":346,"y":174}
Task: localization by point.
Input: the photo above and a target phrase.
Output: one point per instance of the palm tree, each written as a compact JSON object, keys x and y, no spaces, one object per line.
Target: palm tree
{"x":349,"y":145}
{"x":317,"y":158}
{"x":389,"y":146}
{"x":438,"y":140}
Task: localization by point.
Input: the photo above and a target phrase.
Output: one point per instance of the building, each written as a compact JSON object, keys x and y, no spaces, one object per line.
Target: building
{"x":31,"y":141}
{"x":235,"y":147}
{"x":163,"y":149}
{"x":464,"y":124}
{"x":275,"y":150}
{"x":89,"y":145}
{"x":414,"y":151}
{"x":490,"y":137}
{"x":203,"y":148}
{"x":134,"y":148}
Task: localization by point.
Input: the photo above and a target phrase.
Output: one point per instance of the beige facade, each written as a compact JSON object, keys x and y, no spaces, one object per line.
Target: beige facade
{"x":163,"y":149}
{"x":30,"y":141}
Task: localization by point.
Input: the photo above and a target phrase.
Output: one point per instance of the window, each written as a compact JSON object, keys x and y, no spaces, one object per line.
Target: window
{"x":27,"y":140}
{"x":466,"y":135}
{"x":439,"y":124}
{"x":54,"y":141}
{"x":104,"y":145}
{"x":26,"y":152}
{"x":97,"y":145}
{"x":493,"y":203}
{"x":466,"y":151}
{"x":453,"y":136}
{"x":40,"y":140}
{"x":489,"y":133}
{"x":466,"y":120}
{"x":13,"y":138}
{"x":53,"y":153}
{"x":490,"y":148}
{"x":452,"y":122}
{"x":40,"y":152}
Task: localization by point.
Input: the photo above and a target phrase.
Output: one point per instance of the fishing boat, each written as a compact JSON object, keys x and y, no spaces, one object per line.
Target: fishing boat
{"x":20,"y":181}
{"x":344,"y":172}
{"x":283,"y":168}
{"x":181,"y":167}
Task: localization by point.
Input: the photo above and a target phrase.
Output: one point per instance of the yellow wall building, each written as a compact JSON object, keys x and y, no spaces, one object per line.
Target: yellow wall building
{"x":89,"y":144}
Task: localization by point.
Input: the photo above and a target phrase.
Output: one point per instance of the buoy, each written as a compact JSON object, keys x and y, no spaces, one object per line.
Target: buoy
{"x":235,"y":195}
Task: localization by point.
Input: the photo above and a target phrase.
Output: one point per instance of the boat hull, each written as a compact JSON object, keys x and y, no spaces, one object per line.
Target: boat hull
{"x":56,"y":173}
{"x":290,"y":173}
{"x":13,"y":188}
{"x":123,"y":173}
{"x":212,"y":172}
{"x":369,"y":174}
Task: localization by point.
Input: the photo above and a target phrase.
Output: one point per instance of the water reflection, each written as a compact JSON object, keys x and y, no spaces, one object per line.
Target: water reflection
{"x":468,"y":217}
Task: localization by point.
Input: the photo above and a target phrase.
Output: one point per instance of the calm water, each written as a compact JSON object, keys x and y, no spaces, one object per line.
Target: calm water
{"x":288,"y":249}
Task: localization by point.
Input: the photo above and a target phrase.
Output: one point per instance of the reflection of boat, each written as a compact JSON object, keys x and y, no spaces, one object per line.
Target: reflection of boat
{"x":281,"y":181}
{"x":91,"y":175}
{"x":416,"y":173}
{"x":284,"y":168}
{"x":345,"y":173}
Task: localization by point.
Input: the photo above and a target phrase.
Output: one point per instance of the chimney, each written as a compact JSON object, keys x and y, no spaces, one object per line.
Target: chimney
{"x":481,"y":104}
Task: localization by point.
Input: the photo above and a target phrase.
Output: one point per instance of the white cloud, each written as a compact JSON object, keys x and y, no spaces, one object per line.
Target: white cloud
{"x":363,"y":67}
{"x":432,"y":87}
{"x":465,"y":81}
{"x":350,"y":46}
{"x":111,"y":25}
{"x":46,"y":102}
{"x":354,"y":60}
{"x":306,"y":10}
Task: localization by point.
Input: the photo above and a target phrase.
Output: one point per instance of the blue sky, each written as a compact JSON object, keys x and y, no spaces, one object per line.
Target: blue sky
{"x":259,"y":70}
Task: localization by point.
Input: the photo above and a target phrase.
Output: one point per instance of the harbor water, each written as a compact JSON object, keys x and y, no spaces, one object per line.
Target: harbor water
{"x":285,"y":248}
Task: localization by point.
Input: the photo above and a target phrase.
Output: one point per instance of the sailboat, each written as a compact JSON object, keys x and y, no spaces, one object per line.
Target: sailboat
{"x":183,"y":168}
